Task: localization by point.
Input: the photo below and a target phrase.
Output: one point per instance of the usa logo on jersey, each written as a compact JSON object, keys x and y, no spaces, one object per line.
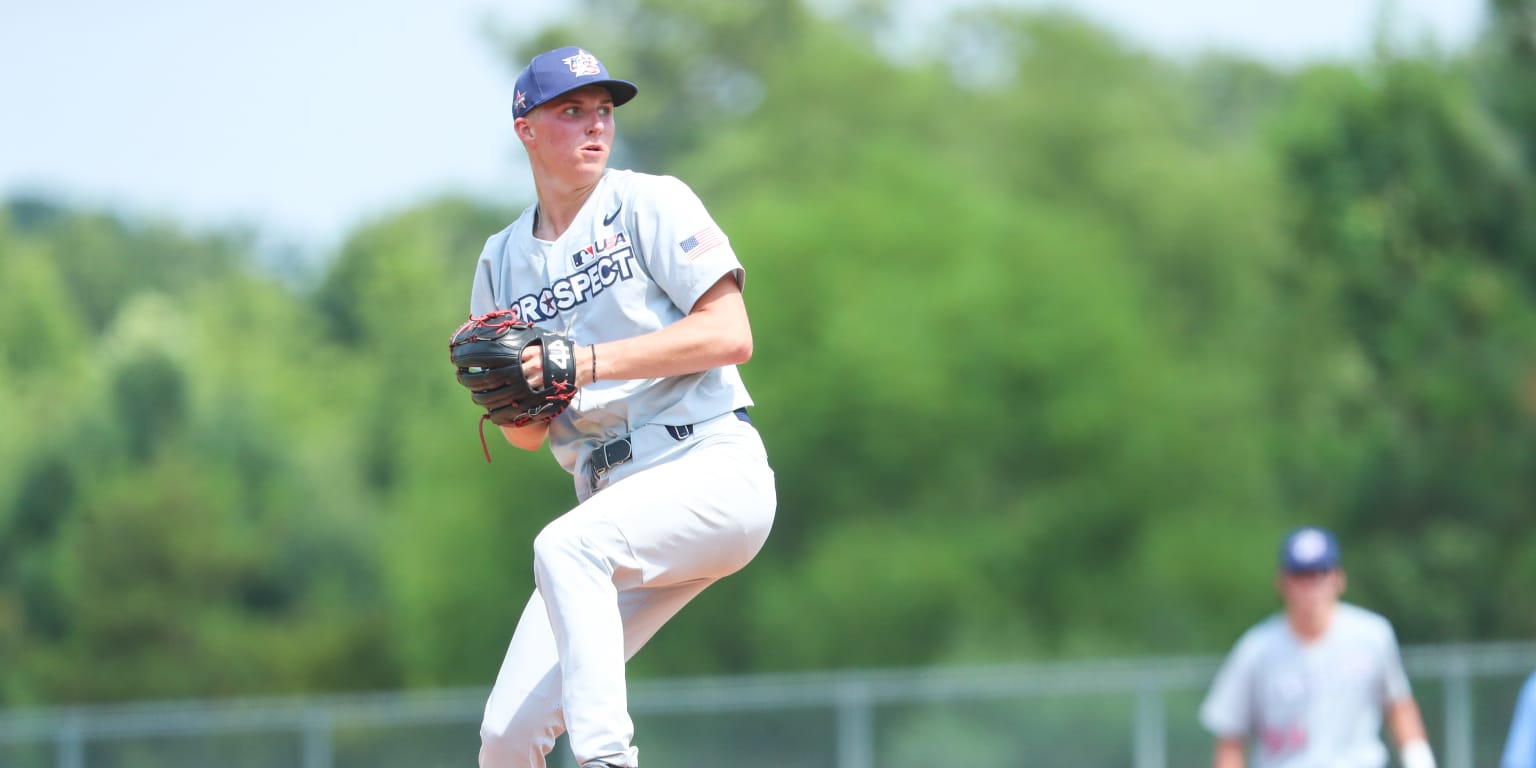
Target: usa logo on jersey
{"x":598,"y":267}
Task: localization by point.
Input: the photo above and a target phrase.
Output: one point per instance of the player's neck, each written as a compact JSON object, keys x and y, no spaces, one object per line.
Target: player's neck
{"x":558,"y":206}
{"x":1309,"y":626}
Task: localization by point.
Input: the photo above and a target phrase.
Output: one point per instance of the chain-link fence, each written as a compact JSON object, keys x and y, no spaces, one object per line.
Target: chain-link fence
{"x":1094,"y":714}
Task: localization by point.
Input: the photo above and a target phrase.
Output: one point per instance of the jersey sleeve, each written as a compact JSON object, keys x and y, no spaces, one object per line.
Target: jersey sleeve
{"x":1394,"y":680}
{"x":482,"y":292}
{"x":684,"y":251}
{"x":1227,"y":711}
{"x":481,"y":298}
{"x":1520,"y":746}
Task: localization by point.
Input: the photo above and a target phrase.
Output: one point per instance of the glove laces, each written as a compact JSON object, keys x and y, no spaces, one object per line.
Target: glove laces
{"x":484,"y":417}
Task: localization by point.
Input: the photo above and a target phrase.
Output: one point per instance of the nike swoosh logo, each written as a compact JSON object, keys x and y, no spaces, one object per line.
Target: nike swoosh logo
{"x":607,"y":220}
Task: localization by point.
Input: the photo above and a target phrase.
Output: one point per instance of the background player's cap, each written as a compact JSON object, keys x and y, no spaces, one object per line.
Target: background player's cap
{"x":1308,"y":550}
{"x":563,"y":70}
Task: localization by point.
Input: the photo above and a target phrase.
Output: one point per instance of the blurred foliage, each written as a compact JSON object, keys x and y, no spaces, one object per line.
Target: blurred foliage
{"x":1099,"y":326}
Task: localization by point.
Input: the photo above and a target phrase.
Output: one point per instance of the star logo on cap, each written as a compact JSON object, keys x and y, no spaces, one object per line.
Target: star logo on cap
{"x":520,"y":100}
{"x":583,"y":63}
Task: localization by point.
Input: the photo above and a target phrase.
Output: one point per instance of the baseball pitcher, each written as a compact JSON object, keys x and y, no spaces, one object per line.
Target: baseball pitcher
{"x":608,"y":320}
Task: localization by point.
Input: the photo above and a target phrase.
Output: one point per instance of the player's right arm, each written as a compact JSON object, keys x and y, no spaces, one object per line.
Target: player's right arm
{"x":714,"y":333}
{"x":1227,"y":712}
{"x":1229,"y":754}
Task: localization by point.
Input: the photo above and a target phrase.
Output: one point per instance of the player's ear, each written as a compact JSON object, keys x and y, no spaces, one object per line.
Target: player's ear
{"x":523,"y":128}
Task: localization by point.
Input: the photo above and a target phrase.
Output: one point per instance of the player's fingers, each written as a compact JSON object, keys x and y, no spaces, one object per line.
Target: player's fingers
{"x":533,"y":366}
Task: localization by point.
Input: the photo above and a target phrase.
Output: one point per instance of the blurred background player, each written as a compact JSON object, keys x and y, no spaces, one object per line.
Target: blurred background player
{"x":1308,"y":688}
{"x":1520,"y":747}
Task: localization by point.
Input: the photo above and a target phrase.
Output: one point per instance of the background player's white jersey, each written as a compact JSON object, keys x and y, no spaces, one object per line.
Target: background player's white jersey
{"x":1310,"y":706}
{"x":642,"y":250}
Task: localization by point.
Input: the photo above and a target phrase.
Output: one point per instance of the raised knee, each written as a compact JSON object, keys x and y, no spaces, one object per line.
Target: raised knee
{"x":563,"y":542}
{"x":556,"y":541}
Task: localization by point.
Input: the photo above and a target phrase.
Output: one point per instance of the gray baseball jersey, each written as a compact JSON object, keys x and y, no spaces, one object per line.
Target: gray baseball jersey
{"x":1317,"y":705}
{"x":641,"y":251}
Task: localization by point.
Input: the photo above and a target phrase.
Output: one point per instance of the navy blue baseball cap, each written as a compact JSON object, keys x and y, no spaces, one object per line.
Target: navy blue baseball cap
{"x":561,"y":71}
{"x":1309,"y":550}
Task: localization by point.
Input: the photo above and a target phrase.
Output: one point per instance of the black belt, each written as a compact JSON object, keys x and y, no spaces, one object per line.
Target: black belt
{"x":615,"y":452}
{"x":686,"y":431}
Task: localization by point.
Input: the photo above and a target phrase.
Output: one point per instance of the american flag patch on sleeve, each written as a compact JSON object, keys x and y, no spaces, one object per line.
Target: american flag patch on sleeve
{"x":702,"y":241}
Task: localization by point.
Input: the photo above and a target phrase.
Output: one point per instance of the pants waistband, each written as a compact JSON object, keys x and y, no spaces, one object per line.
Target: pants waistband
{"x":621,"y":451}
{"x":686,"y":431}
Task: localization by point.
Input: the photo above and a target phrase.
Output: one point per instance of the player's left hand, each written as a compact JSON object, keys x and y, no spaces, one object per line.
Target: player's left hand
{"x":520,"y":373}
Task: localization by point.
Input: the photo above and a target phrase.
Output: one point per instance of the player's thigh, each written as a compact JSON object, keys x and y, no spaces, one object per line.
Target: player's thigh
{"x":701,"y":516}
{"x":646,"y":609}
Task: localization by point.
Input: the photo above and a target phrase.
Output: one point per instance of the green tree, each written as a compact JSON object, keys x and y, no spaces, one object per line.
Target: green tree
{"x":1413,"y":429}
{"x":1053,"y":338}
{"x":699,"y":64}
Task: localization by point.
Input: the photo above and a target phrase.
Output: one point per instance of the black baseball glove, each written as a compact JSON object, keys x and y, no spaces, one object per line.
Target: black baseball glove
{"x":488,"y":353}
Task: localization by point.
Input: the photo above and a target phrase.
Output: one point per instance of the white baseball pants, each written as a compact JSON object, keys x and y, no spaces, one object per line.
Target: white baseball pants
{"x":609,"y":573}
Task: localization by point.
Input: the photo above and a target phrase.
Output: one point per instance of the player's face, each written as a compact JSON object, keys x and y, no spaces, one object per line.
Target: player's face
{"x":570,"y":136}
{"x":1311,"y":591}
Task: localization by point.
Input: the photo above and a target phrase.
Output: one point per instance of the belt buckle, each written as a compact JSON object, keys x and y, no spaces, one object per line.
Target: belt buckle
{"x":609,"y":455}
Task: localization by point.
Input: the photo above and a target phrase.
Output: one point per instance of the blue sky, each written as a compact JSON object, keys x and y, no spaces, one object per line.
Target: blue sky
{"x":305,"y":119}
